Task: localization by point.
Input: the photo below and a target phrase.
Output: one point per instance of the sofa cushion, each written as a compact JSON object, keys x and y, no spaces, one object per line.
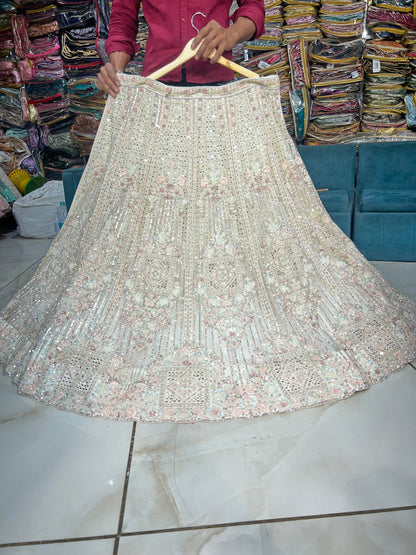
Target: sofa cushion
{"x":378,"y":200}
{"x":71,"y":177}
{"x":336,"y":200}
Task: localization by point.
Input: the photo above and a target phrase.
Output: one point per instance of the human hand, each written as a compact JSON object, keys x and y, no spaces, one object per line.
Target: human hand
{"x":108,"y":80}
{"x":213,"y":37}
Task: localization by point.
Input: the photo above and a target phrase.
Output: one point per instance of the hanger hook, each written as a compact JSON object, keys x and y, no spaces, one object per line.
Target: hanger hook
{"x":192,"y":20}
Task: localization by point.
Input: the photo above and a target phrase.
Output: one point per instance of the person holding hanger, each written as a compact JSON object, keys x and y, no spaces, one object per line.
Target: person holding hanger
{"x":172,"y":23}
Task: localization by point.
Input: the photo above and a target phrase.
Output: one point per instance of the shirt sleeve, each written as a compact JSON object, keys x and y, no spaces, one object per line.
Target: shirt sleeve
{"x":254,"y":10}
{"x":123,"y":26}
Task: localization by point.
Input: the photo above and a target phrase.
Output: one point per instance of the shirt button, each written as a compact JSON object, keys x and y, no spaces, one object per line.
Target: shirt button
{"x":183,"y":20}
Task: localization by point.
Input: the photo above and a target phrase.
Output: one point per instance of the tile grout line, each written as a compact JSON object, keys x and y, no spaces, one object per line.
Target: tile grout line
{"x":125,"y":489}
{"x":278,"y":520}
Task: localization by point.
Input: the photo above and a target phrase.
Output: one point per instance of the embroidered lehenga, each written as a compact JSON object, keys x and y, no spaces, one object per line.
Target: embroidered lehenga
{"x":198,"y":276}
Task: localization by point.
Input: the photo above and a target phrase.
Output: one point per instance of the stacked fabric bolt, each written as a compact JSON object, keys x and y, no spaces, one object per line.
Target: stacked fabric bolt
{"x":272,"y":37}
{"x":336,"y":82}
{"x":300,"y":20}
{"x":11,"y":114}
{"x":300,"y":80}
{"x":83,"y":132}
{"x":410,"y":42}
{"x":87,"y":103}
{"x":272,"y":63}
{"x":342,"y":19}
{"x":77,"y":24}
{"x":9,"y":74}
{"x":386,"y":65}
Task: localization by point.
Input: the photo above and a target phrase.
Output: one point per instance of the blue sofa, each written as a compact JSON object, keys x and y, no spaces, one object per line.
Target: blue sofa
{"x":385,"y":205}
{"x":332,"y":167}
{"x":71,"y":178}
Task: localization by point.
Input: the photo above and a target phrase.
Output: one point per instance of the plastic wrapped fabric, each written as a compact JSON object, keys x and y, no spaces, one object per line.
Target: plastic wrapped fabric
{"x":385,"y":78}
{"x":48,"y":67}
{"x":338,"y":105}
{"x":39,"y":30}
{"x":384,"y":30}
{"x":83,"y":33}
{"x":50,"y":112}
{"x":7,"y":6}
{"x":331,"y":134}
{"x":340,"y":90}
{"x":298,"y":60}
{"x":45,"y":14}
{"x":410,"y":100}
{"x":83,"y":132}
{"x":6,"y":65}
{"x":6,"y":43}
{"x":43,"y":46}
{"x":300,"y":103}
{"x":38,"y":90}
{"x":78,"y":17}
{"x":25,"y":70}
{"x":102,"y":16}
{"x":82,"y":69}
{"x":276,"y":59}
{"x":14,"y":151}
{"x":37,"y":137}
{"x":342,"y":30}
{"x":5,"y":21}
{"x":385,"y":50}
{"x":396,"y":5}
{"x":332,"y":51}
{"x":11,"y":113}
{"x":20,"y":35}
{"x":7,"y":195}
{"x":377,"y":14}
{"x":10,"y":77}
{"x":341,"y":13}
{"x":63,"y":142}
{"x":386,"y":66}
{"x":260,"y":44}
{"x":337,"y":75}
{"x":308,"y":31}
{"x":78,"y":51}
{"x":9,"y":185}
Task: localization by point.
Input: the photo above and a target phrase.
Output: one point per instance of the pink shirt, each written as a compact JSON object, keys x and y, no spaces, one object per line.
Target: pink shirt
{"x":170,"y":29}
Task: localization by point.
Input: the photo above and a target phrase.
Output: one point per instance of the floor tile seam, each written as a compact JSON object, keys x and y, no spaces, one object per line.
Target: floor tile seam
{"x":125,"y":488}
{"x":235,"y":524}
{"x":36,"y":262}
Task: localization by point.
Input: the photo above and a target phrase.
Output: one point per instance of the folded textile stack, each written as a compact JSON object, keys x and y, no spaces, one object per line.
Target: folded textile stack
{"x":409,"y":40}
{"x":88,"y":101}
{"x":272,"y":37}
{"x":386,"y":65}
{"x":83,"y":132}
{"x":11,"y":113}
{"x":77,"y":24}
{"x":336,"y":82}
{"x":9,"y":74}
{"x":342,"y":19}
{"x":272,"y":63}
{"x":301,"y":20}
{"x":300,"y":80}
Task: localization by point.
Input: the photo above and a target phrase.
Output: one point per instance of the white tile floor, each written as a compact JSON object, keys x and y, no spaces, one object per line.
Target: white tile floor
{"x":339,"y":479}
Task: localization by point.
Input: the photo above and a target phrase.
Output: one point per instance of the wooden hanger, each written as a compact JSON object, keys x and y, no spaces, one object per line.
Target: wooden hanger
{"x":188,"y":52}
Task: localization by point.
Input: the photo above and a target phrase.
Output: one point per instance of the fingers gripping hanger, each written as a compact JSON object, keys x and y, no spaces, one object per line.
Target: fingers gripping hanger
{"x":188,"y":52}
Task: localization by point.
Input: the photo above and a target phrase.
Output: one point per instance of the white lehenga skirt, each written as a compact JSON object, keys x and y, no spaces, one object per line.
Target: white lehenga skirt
{"x":198,"y":276}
